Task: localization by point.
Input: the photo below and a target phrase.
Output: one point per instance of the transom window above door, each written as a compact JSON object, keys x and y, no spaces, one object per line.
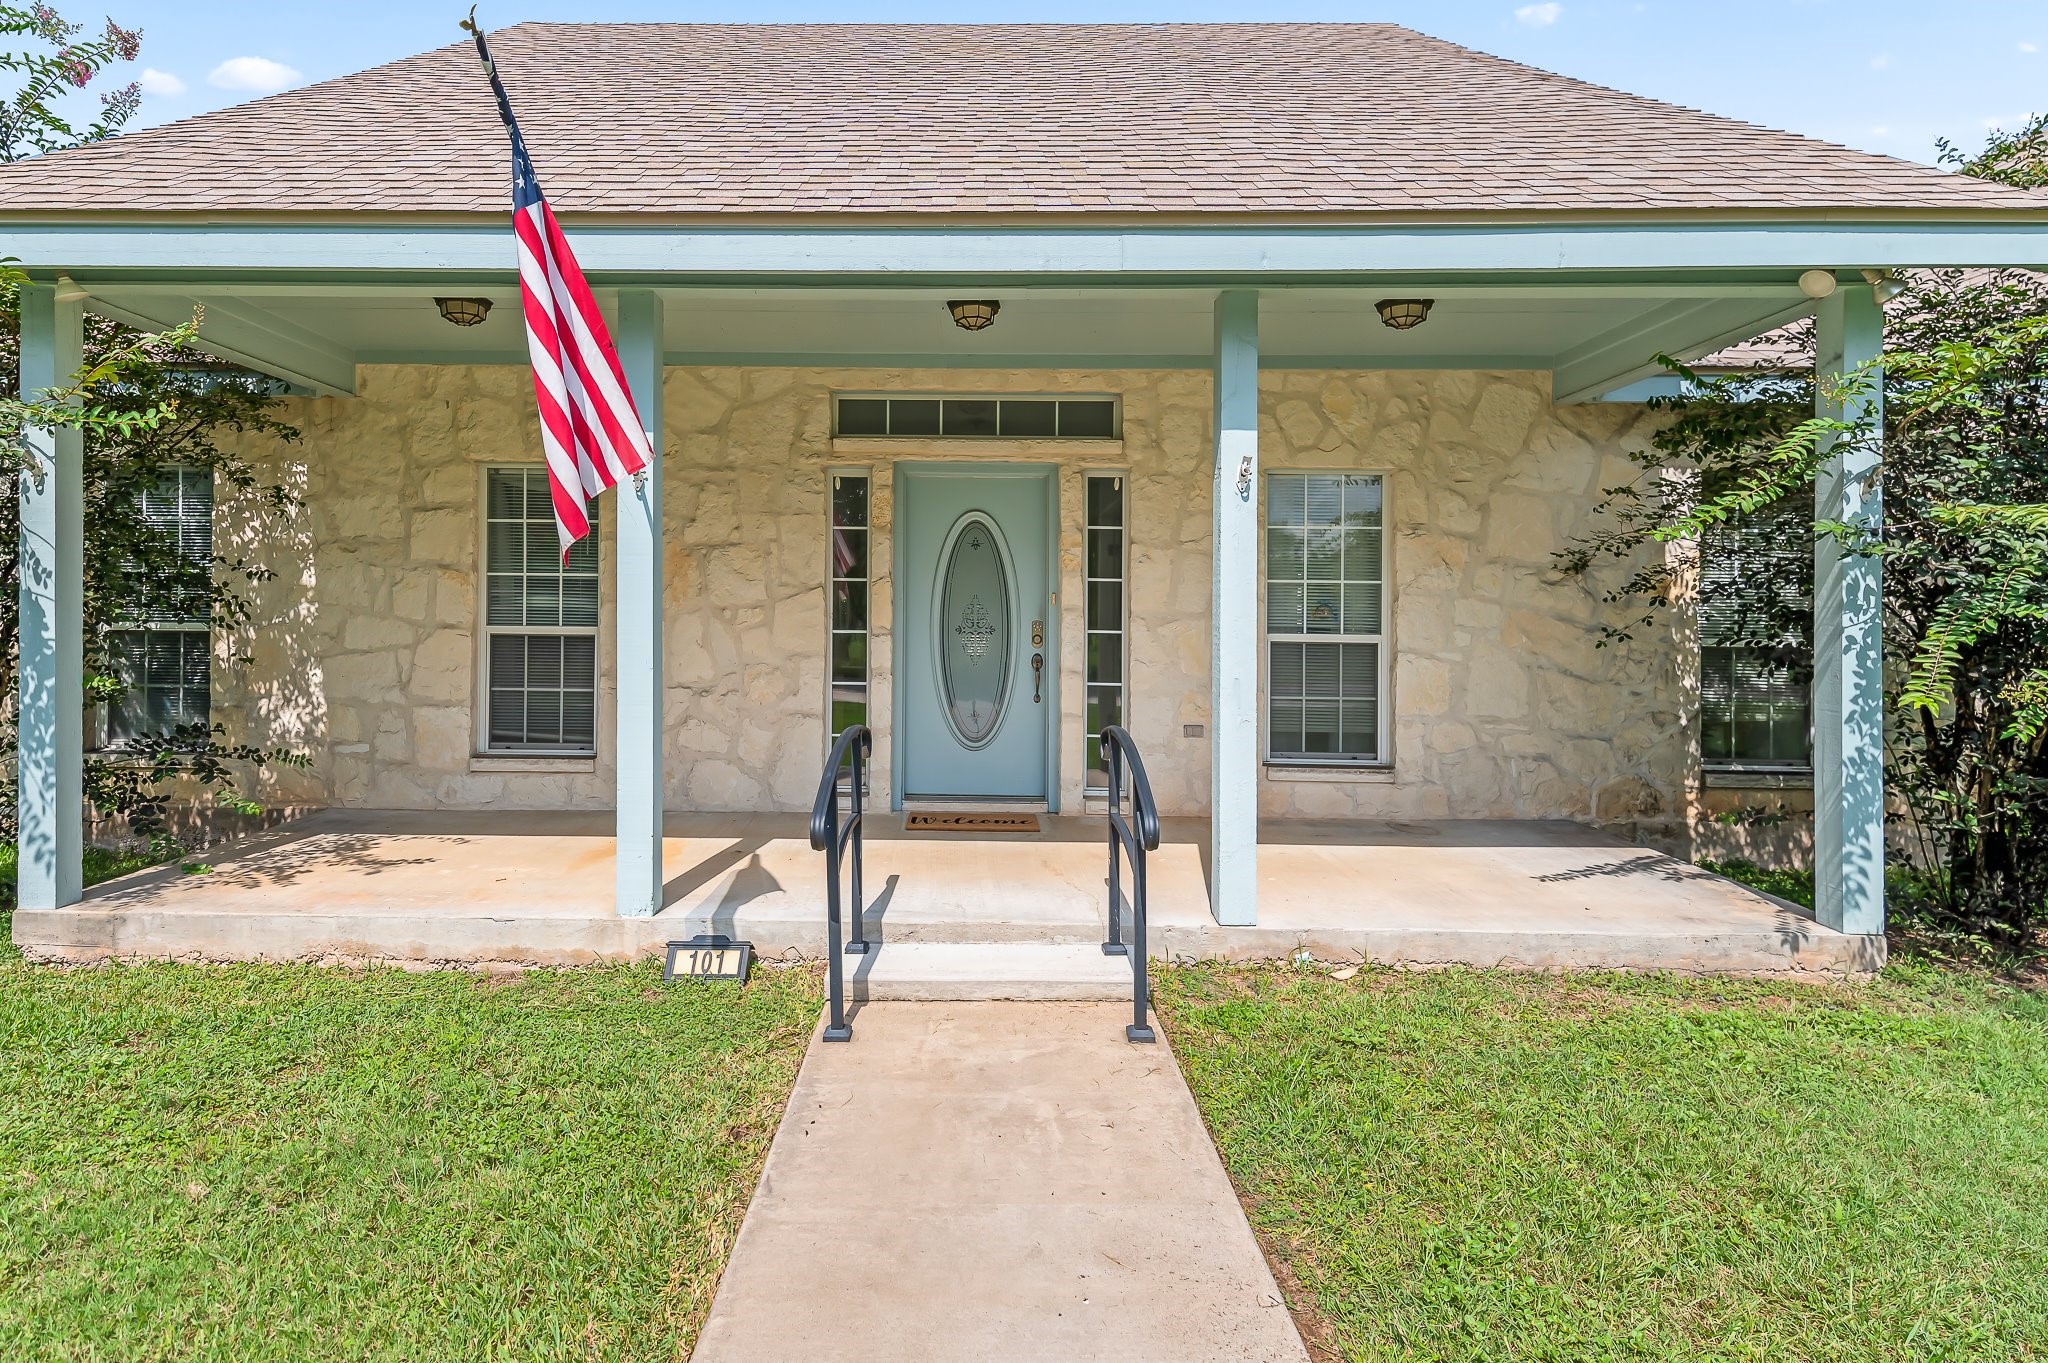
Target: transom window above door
{"x":992,"y":417}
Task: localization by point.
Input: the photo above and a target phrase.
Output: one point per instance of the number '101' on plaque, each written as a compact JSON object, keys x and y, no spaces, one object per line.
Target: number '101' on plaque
{"x":708,"y":958}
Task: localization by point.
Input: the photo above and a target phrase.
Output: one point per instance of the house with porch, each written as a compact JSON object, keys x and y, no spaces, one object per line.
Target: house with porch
{"x":1010,"y":382}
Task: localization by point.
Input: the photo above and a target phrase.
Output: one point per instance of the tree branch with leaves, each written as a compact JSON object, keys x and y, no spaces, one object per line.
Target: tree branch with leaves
{"x":145,"y":404}
{"x":56,"y":62}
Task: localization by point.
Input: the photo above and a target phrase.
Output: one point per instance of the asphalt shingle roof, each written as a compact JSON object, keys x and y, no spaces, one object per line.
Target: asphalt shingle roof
{"x":695,"y":119}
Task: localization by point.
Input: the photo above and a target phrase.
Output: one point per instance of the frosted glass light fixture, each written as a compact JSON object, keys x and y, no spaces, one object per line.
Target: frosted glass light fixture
{"x":1403,"y":313}
{"x":974,"y":314}
{"x":464,"y":312}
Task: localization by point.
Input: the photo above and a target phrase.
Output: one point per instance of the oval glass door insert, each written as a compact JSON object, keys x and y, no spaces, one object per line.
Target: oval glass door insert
{"x":974,"y":630}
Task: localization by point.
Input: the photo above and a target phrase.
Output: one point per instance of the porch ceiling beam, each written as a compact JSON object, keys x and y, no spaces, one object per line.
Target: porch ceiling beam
{"x":999,"y":360}
{"x":1534,"y":291}
{"x":250,"y":338}
{"x":1627,"y":354}
{"x":646,"y":256}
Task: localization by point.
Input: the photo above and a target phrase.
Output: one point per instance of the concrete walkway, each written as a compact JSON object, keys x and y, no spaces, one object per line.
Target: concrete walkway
{"x":995,"y":1181}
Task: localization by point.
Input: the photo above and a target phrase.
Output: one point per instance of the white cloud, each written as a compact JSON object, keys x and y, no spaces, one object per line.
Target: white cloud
{"x":252,"y":73}
{"x":1540,"y":16}
{"x":1880,"y":131}
{"x":155,"y":82}
{"x":1880,"y":62}
{"x":2030,"y":48}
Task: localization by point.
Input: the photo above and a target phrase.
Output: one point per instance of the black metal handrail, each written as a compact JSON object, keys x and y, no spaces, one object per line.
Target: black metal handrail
{"x":832,"y":834}
{"x":1122,"y":756}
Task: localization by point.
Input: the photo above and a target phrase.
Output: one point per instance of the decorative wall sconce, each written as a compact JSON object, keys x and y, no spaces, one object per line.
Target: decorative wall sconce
{"x":1403,"y":313}
{"x":973,"y":314}
{"x":464,"y":312}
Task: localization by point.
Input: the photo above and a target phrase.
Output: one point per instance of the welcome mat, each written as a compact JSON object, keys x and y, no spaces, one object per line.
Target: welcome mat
{"x":972,"y":823}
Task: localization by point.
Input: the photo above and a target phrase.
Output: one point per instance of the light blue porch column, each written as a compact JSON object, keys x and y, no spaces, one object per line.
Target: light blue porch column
{"x":1234,"y":615}
{"x":1848,"y":695}
{"x":51,"y":669}
{"x":639,"y":688}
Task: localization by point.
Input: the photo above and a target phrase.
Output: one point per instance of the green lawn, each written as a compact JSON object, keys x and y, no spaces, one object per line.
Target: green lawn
{"x":284,"y":1162}
{"x":1470,"y":1165}
{"x":100,"y":864}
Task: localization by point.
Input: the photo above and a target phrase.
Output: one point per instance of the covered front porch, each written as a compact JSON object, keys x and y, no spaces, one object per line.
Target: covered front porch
{"x":513,"y":889}
{"x":1490,"y":430}
{"x":1452,"y":306}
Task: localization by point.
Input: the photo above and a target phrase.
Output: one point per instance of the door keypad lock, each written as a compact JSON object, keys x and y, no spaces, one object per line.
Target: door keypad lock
{"x":1038,"y":634}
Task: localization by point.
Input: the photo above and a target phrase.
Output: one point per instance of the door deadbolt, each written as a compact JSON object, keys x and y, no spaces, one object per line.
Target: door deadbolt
{"x":1038,"y":634}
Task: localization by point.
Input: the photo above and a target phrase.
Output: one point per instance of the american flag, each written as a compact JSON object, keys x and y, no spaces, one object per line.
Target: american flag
{"x":589,"y":428}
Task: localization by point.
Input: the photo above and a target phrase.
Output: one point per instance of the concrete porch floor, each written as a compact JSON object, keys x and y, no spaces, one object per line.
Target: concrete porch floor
{"x":471,"y":888}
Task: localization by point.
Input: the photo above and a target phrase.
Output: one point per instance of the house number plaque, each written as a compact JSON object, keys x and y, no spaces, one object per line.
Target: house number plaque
{"x":708,"y":957}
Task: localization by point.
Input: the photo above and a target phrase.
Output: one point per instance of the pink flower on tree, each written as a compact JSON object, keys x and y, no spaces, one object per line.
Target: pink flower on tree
{"x":50,"y":25}
{"x":76,"y":70}
{"x":126,"y":42}
{"x":30,"y":124}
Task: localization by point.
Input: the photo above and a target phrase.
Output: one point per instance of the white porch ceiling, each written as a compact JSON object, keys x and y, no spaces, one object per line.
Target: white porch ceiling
{"x":1592,"y":338}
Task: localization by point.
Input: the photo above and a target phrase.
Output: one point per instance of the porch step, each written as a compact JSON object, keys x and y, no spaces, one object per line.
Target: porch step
{"x":978,"y":972}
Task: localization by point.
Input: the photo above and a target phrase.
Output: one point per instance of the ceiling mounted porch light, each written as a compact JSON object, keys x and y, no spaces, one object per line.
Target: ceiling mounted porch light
{"x":973,"y":314}
{"x":1817,"y":284}
{"x":1403,"y":313}
{"x":464,"y":312}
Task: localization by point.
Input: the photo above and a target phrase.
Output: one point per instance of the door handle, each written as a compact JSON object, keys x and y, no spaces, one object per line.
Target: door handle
{"x":1037,"y":672}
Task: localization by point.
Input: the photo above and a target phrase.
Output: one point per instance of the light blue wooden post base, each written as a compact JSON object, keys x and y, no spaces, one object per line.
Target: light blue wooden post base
{"x":1848,"y":693}
{"x":639,"y":686}
{"x":51,"y":671}
{"x":1234,"y":652}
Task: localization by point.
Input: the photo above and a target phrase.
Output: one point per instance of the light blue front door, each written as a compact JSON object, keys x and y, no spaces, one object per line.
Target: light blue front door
{"x":974,"y":623}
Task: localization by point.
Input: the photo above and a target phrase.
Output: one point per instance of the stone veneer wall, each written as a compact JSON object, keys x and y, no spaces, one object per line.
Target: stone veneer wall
{"x":364,"y":654}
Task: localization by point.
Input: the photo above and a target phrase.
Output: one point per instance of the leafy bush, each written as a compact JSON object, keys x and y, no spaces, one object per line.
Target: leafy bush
{"x":145,"y":404}
{"x":1964,"y":548}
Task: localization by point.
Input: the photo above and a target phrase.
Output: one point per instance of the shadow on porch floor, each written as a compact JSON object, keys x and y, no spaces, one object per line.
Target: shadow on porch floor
{"x":482,"y":887}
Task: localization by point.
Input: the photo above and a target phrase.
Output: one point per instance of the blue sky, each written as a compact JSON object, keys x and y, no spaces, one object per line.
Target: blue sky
{"x":1886,"y":75}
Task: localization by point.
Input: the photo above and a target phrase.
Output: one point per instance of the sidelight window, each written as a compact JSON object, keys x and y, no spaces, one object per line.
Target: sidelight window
{"x":1104,"y":566}
{"x":848,"y":639}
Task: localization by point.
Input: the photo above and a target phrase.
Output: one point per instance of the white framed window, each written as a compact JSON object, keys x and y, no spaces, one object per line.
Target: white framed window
{"x":1326,"y":603}
{"x":1756,"y":671}
{"x":165,"y":660}
{"x":1104,"y":566}
{"x":539,"y":676}
{"x":848,"y":573}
